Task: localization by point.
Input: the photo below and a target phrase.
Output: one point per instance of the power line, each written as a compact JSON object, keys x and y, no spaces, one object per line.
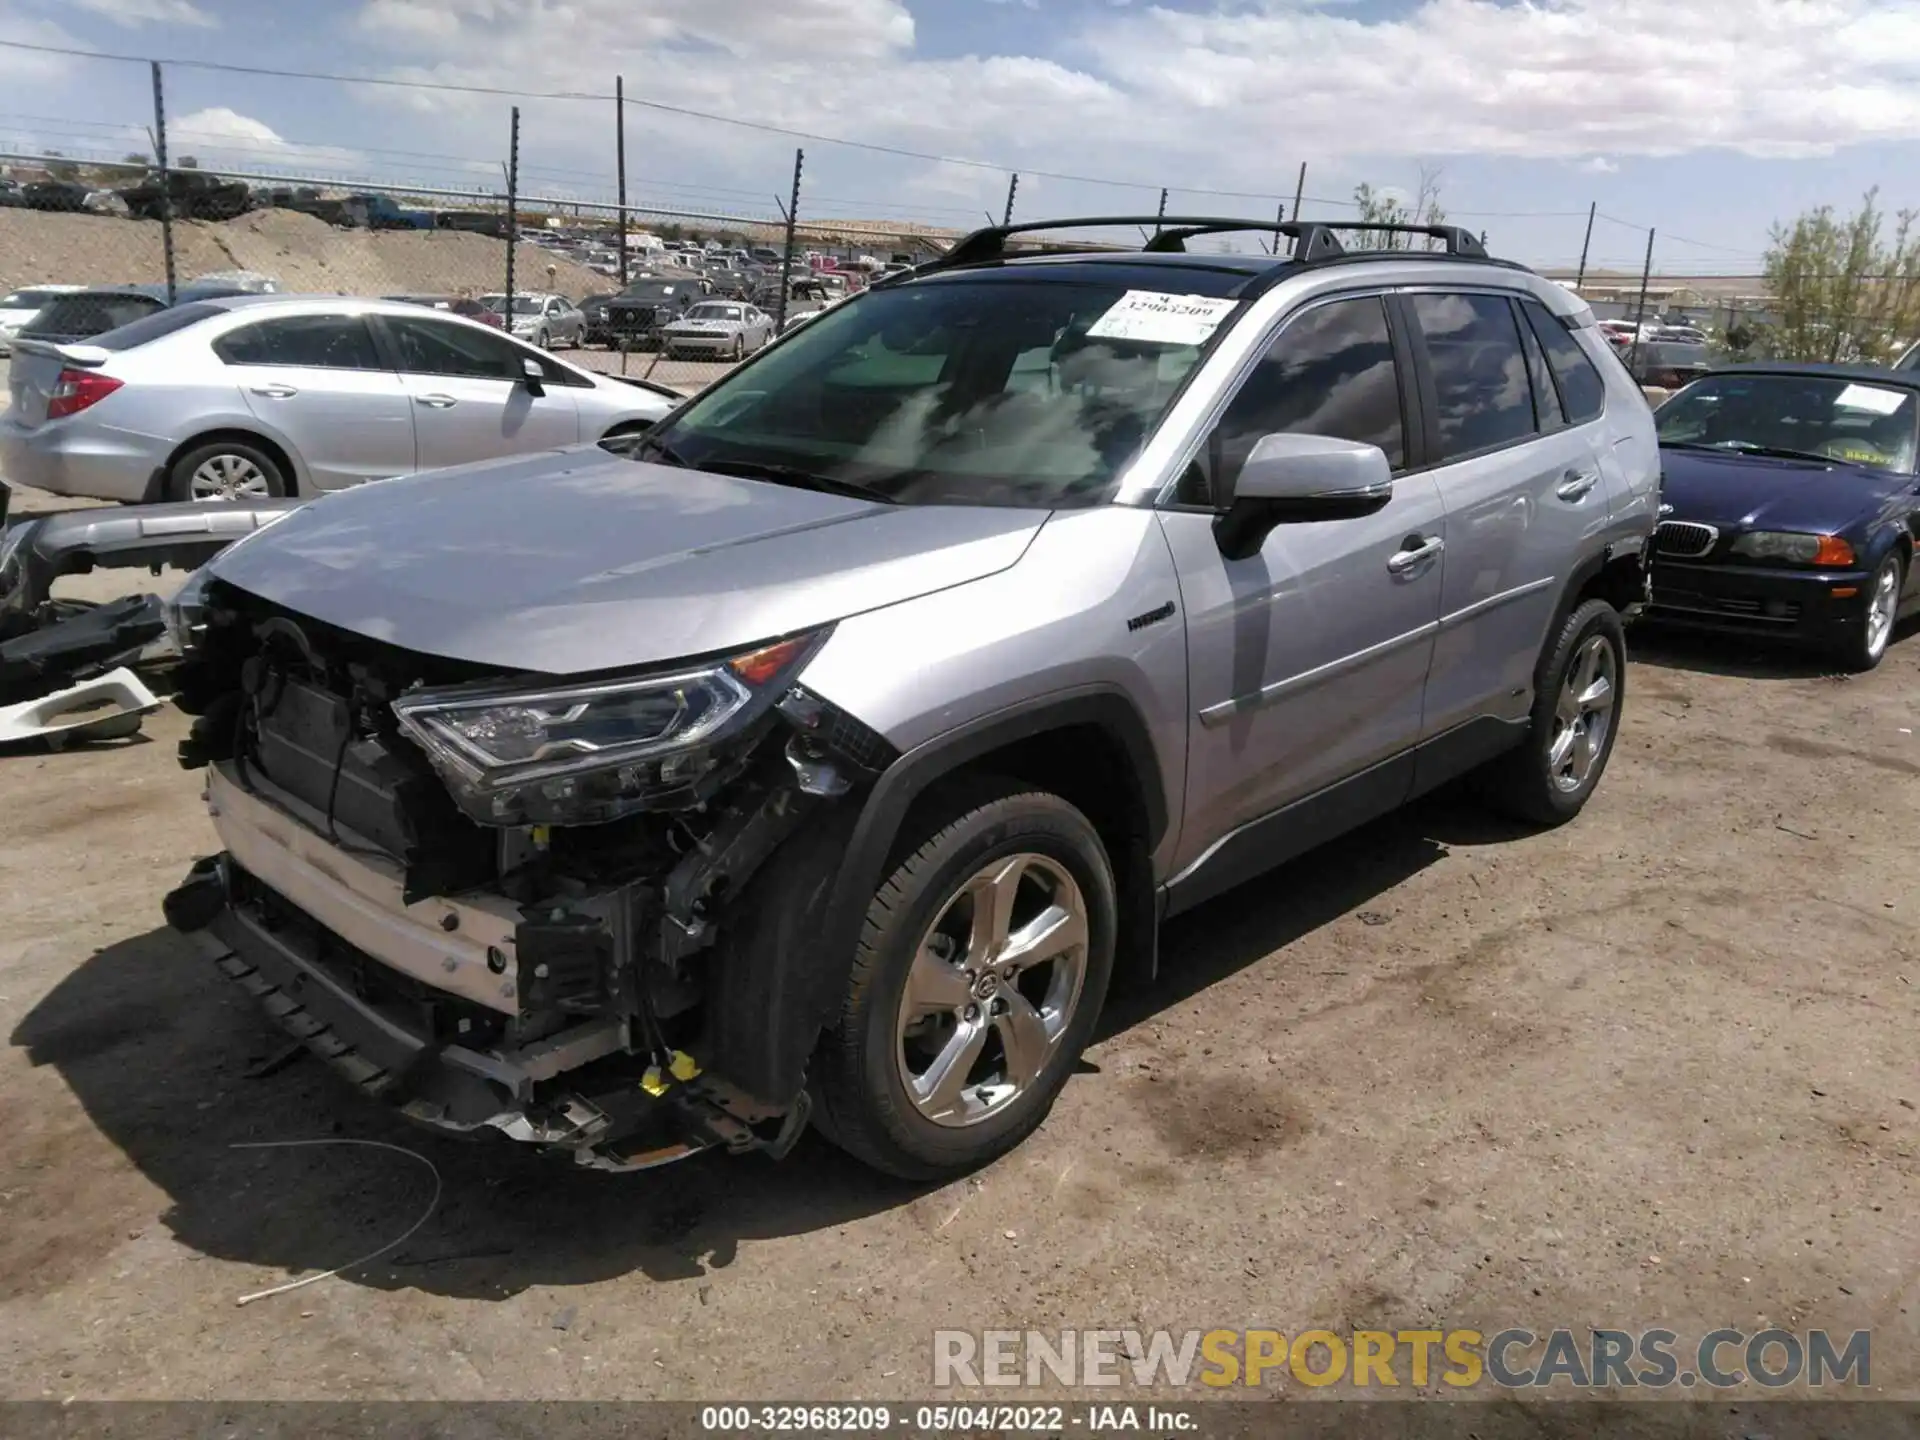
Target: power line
{"x":764,"y":127}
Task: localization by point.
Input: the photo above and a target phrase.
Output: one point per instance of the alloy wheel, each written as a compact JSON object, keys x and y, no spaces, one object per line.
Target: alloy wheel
{"x":995,"y":983}
{"x":1583,"y":715}
{"x":228,"y":477}
{"x":1881,"y":607}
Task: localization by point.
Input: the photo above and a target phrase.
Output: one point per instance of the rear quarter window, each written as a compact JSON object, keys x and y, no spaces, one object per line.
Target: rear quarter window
{"x":1583,"y":393}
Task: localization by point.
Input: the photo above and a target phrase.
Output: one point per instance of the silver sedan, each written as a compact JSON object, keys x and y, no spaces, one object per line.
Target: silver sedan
{"x":269,"y":395}
{"x":718,"y":329}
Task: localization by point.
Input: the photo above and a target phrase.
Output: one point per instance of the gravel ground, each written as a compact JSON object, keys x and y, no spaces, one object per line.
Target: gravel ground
{"x":1653,"y":1068}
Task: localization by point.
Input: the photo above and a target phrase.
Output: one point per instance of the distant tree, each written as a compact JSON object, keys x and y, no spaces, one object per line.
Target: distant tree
{"x":61,"y":168}
{"x":134,"y":157}
{"x":1843,"y":288}
{"x":1379,"y":208}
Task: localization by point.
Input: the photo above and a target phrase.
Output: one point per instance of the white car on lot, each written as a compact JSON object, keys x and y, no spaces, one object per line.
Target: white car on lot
{"x":718,"y":330}
{"x":19,"y":307}
{"x":268,"y":395}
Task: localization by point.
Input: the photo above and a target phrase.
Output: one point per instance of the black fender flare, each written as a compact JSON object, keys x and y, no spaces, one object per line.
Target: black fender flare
{"x":796,"y":1008}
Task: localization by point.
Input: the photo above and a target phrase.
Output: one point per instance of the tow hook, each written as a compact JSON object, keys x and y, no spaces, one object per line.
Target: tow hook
{"x":198,"y":900}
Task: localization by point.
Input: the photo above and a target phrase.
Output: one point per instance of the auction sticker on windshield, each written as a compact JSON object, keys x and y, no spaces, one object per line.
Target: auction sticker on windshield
{"x":1161,"y":319}
{"x":1871,"y":398}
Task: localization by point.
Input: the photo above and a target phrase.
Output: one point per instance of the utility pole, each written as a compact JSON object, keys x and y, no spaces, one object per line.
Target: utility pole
{"x":1279,"y":218}
{"x":166,"y":182}
{"x":1013,"y":188}
{"x":620,"y":160}
{"x":513,"y":211}
{"x":1163,"y":210}
{"x":1640,"y":314}
{"x":1586,"y":245}
{"x":1299,"y":192}
{"x":786,"y":262}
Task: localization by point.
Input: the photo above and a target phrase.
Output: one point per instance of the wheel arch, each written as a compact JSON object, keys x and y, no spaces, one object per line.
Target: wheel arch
{"x":1090,"y":746}
{"x":281,"y":454}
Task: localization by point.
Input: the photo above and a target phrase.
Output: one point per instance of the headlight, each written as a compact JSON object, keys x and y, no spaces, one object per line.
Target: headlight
{"x":585,"y":754}
{"x":1795,"y":549}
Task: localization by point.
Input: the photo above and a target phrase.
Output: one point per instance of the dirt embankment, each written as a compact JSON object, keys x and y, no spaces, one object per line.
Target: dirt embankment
{"x":300,"y":251}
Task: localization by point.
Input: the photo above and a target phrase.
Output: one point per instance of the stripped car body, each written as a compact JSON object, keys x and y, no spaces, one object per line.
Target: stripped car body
{"x":565,"y":810}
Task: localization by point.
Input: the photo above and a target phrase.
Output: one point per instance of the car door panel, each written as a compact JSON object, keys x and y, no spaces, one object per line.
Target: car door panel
{"x":318,"y":382}
{"x":485,"y":412}
{"x":1518,"y":502}
{"x":1308,"y":659}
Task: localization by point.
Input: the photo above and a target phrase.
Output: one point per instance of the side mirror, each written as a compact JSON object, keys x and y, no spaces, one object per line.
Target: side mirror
{"x":1290,"y":478}
{"x":533,"y":376}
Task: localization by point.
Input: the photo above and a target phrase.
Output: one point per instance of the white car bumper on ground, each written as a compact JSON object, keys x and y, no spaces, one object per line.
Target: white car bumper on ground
{"x":81,"y":458}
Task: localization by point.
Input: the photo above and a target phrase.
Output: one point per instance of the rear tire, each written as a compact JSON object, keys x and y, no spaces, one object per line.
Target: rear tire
{"x":1579,"y":689}
{"x":227,"y":470}
{"x":940,"y":987}
{"x":1866,"y":643}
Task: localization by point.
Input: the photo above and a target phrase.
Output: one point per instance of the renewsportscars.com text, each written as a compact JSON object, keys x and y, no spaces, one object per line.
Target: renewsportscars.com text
{"x":1462,"y":1359}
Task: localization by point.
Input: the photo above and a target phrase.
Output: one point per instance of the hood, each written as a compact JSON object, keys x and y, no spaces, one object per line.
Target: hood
{"x":576,"y":561}
{"x":1756,"y":492}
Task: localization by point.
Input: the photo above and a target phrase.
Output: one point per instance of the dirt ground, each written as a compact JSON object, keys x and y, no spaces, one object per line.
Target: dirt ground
{"x":302,"y":252}
{"x":1655,"y":1068}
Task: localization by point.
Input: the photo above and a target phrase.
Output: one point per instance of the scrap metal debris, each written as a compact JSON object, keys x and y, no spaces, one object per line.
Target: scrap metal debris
{"x":65,"y":665}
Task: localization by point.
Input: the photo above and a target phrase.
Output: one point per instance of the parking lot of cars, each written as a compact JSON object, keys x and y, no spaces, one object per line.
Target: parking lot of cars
{"x":1651,"y":1067}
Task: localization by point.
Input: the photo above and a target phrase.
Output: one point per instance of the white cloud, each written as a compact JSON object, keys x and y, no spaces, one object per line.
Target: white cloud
{"x":1597,"y":165}
{"x":148,"y":12}
{"x":824,"y":29}
{"x":224,"y":137}
{"x":1154,"y":92}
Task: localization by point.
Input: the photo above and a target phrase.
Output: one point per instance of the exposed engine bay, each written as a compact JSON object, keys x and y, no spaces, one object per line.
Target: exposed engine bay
{"x":516,"y":903}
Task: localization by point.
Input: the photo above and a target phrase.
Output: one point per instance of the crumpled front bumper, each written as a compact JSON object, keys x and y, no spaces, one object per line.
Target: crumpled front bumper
{"x":279,"y":909}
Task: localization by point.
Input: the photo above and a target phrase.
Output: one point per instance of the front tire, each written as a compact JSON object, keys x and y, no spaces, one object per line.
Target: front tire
{"x":226,"y":470}
{"x":1578,"y":692}
{"x":1866,"y":643}
{"x":980,"y":974}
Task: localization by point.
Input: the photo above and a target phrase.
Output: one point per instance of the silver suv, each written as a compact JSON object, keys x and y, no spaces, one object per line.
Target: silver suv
{"x":826,"y":755}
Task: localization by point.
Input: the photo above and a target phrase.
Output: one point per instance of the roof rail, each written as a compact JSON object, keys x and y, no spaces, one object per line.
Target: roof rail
{"x":1312,"y":239}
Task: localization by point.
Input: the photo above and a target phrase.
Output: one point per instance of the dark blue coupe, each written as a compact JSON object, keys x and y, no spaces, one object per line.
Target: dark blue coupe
{"x":1790,"y":505}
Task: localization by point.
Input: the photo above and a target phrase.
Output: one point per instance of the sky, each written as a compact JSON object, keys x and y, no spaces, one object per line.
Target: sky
{"x":1706,"y":120}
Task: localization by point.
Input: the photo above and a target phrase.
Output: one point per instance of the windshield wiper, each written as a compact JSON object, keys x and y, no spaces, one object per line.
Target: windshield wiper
{"x":798,"y":478}
{"x":652,"y":447}
{"x":1771,"y":452}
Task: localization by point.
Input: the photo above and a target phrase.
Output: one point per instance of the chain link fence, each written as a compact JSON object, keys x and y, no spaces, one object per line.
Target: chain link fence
{"x":619,"y":282}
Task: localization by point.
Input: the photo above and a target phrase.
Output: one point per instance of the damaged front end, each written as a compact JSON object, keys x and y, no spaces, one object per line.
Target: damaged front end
{"x":577,"y":913}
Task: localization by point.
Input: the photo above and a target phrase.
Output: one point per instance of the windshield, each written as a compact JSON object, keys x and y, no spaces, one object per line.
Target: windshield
{"x":654,"y":291}
{"x":969,"y":391}
{"x":714,"y":312}
{"x":1847,"y":420}
{"x":522,"y":304}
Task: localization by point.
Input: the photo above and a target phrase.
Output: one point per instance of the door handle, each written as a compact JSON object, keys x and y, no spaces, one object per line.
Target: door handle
{"x":1575,"y":485}
{"x":1414,"y":550}
{"x":274,"y":391}
{"x":436,"y":402}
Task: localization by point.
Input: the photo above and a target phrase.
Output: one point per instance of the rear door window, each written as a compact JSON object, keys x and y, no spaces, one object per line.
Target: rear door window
{"x":1548,"y":413}
{"x":323,"y":342}
{"x":1482,"y":394}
